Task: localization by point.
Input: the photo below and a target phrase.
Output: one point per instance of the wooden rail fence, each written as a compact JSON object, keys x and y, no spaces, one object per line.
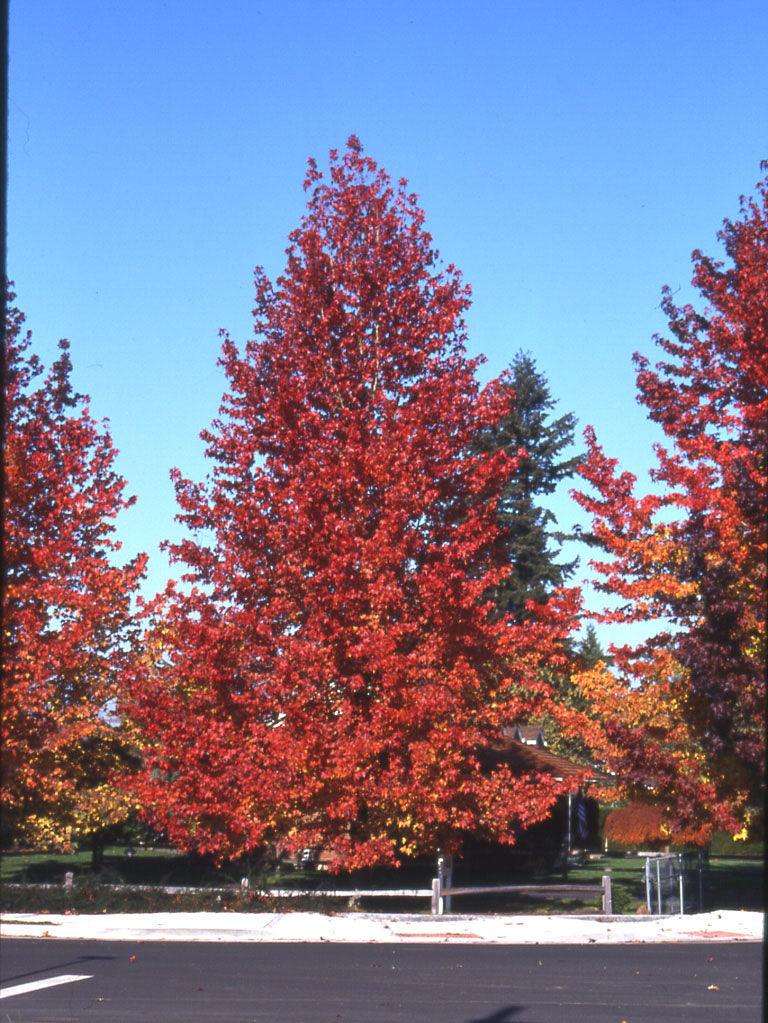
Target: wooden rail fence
{"x":440,"y":894}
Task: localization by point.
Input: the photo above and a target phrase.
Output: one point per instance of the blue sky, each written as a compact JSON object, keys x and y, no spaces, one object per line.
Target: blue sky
{"x":569,"y":157}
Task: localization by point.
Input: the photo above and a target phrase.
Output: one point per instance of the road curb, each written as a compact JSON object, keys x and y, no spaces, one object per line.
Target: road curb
{"x":367,"y":928}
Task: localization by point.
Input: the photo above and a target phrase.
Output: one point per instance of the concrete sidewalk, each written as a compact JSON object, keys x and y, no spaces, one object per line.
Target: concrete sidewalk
{"x":723,"y":925}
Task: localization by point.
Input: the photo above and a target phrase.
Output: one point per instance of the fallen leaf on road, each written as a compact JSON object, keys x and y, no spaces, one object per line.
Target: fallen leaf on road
{"x":713,"y":987}
{"x":131,"y":959}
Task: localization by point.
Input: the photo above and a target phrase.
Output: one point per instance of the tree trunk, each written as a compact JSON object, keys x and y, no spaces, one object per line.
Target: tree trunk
{"x":97,"y":854}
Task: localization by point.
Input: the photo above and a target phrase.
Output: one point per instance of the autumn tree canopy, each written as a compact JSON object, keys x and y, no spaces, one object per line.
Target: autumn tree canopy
{"x":685,"y":712}
{"x":66,"y":604}
{"x":329,"y":669}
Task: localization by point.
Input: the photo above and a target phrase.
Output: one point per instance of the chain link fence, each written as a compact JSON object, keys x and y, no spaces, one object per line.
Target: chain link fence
{"x":674,"y":883}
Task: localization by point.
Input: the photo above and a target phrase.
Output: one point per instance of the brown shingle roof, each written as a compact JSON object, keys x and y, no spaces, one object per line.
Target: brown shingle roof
{"x":527,"y":758}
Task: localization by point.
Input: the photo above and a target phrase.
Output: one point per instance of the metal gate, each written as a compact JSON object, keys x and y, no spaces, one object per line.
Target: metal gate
{"x":674,"y":883}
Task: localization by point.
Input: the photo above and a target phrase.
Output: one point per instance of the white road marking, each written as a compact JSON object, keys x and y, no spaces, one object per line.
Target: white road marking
{"x":36,"y":985}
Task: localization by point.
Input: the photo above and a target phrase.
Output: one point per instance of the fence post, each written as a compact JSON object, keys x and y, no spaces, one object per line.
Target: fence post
{"x":681,"y":865}
{"x":658,"y":884}
{"x":607,"y":895}
{"x":701,"y":883}
{"x":245,"y":885}
{"x":69,"y":881}
{"x":437,"y":899}
{"x":648,"y":884}
{"x":568,"y":833}
{"x":445,"y":873}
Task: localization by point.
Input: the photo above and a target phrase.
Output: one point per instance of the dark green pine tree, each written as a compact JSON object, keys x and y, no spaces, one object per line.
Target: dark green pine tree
{"x":590,"y":650}
{"x":533,"y":543}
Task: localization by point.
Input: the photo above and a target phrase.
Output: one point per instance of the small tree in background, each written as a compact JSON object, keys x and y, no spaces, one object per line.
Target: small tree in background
{"x":684,"y":712}
{"x":590,"y":650}
{"x":586,"y":654}
{"x":643,"y":825}
{"x":333,"y":672}
{"x":66,"y":606}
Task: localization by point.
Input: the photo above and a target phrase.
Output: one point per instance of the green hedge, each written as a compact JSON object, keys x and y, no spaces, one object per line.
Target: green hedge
{"x":723,"y":845}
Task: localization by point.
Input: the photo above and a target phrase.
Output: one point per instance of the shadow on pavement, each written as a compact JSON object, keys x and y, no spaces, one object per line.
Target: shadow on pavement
{"x":500,"y":1016}
{"x":58,"y":966}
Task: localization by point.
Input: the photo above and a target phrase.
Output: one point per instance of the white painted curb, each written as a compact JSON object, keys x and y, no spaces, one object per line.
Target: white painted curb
{"x":723,"y":925}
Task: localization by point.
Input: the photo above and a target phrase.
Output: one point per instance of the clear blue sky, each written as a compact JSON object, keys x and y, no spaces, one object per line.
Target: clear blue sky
{"x":569,"y":157}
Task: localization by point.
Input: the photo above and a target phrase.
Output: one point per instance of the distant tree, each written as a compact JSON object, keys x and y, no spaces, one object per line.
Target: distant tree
{"x":528,"y":432}
{"x":590,"y":651}
{"x":587,"y":653}
{"x":66,"y":605}
{"x":642,"y":824}
{"x":333,"y":673}
{"x":684,"y":711}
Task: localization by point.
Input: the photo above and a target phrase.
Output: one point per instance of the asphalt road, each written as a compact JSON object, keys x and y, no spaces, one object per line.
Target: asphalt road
{"x":338,"y":983}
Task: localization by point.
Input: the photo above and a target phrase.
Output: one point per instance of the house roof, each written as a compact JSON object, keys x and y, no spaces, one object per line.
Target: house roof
{"x":528,"y":732}
{"x":526,"y":758}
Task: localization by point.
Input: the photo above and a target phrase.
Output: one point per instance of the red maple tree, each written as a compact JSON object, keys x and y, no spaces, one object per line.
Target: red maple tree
{"x":66,"y":605}
{"x":685,"y":716}
{"x":329,"y":671}
{"x":643,"y":824}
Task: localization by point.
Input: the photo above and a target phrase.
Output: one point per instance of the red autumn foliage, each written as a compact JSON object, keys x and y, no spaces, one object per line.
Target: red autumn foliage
{"x":643,"y":824}
{"x":687,"y":711}
{"x":66,"y":605}
{"x":329,"y":669}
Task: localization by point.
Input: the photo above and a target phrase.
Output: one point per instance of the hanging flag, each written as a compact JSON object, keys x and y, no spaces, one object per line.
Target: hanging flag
{"x":582,"y":827}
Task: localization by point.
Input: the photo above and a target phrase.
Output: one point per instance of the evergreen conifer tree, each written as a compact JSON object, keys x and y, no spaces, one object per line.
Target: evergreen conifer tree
{"x":532,"y":542}
{"x":590,"y":650}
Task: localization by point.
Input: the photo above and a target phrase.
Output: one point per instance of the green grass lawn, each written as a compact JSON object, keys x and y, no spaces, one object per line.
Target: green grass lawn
{"x":728,"y":884}
{"x":735,"y":884}
{"x":144,"y":866}
{"x":51,"y":867}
